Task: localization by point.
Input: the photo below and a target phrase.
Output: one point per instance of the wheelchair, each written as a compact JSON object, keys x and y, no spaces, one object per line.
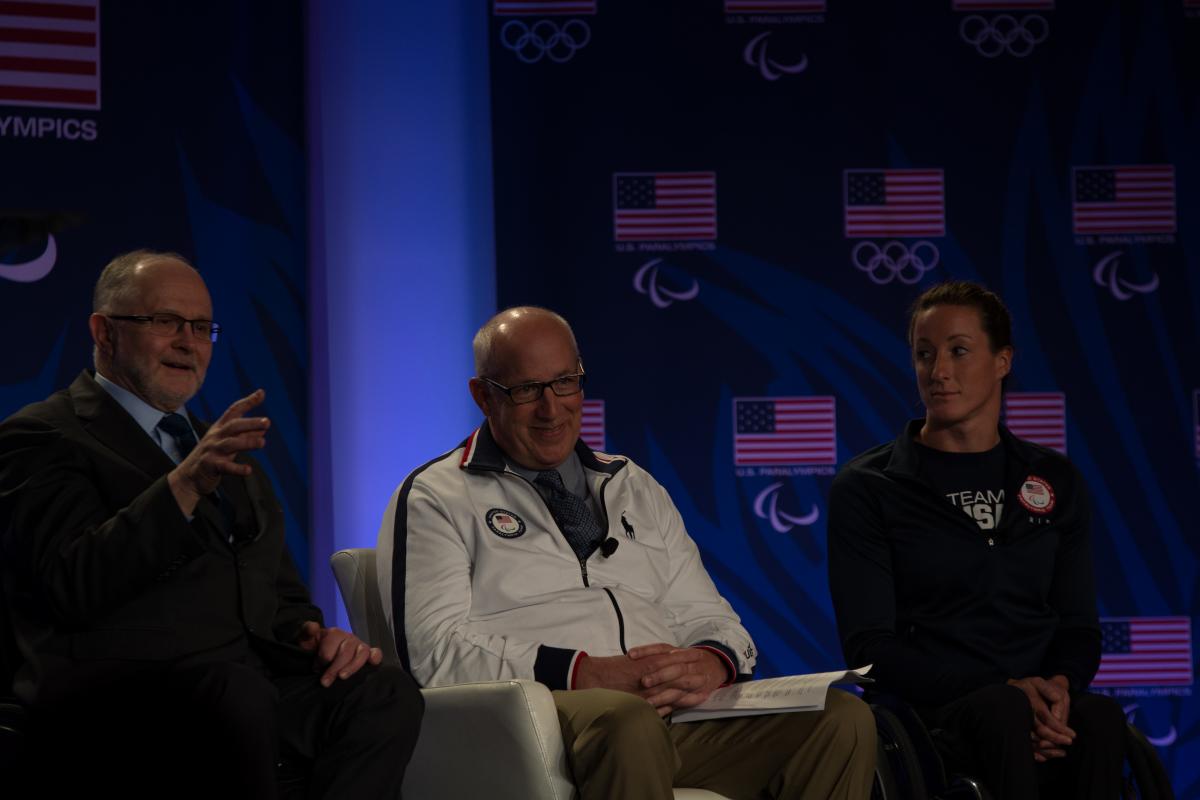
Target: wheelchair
{"x":911,"y":768}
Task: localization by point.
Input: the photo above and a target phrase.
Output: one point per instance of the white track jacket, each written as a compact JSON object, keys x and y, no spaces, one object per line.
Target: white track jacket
{"x":479,"y":583}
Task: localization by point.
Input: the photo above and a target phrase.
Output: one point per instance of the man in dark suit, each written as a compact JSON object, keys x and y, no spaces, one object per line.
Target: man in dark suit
{"x":162,"y":631}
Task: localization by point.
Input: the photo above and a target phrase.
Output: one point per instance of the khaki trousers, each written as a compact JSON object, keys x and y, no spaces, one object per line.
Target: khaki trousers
{"x":618,"y":747}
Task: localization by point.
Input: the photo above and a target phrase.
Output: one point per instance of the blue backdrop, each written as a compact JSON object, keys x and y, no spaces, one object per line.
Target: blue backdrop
{"x":178,"y":127}
{"x":731,"y":200}
{"x":735,"y":203}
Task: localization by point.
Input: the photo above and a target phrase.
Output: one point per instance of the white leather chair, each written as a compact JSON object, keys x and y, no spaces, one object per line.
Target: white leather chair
{"x":498,"y":739}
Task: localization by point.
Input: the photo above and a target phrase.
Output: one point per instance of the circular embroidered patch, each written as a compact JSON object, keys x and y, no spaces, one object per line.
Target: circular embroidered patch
{"x":505,"y":523}
{"x":1036,"y":495}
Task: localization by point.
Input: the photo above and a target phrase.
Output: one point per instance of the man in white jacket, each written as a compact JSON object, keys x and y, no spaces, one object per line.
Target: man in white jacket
{"x":522,"y":553}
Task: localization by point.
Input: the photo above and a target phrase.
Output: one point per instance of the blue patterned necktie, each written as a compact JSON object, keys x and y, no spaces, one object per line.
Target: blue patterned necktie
{"x":178,"y":428}
{"x":572,"y":514}
{"x":185,"y":440}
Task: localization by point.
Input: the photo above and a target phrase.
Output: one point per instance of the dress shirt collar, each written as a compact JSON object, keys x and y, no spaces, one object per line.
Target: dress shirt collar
{"x":571,"y":471}
{"x":144,"y":414}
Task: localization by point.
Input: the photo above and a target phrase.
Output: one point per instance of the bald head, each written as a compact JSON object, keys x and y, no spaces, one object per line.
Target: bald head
{"x":528,"y":345}
{"x":508,"y":329}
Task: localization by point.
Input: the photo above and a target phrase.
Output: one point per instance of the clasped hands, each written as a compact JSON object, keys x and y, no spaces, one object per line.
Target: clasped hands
{"x":1051,"y":703}
{"x":665,"y":676}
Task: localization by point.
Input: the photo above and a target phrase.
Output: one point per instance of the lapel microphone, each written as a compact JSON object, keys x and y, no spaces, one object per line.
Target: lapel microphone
{"x":608,"y":547}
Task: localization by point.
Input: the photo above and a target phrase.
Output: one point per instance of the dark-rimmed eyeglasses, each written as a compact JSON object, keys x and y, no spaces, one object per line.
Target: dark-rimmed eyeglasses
{"x":522,"y":393}
{"x":172,"y":324}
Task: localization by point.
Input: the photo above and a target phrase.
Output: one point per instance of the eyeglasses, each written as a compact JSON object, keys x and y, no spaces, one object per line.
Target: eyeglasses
{"x":531,"y":392}
{"x":172,"y":324}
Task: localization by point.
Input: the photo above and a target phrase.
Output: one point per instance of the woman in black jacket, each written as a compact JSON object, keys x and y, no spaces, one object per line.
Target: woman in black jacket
{"x":960,"y":566}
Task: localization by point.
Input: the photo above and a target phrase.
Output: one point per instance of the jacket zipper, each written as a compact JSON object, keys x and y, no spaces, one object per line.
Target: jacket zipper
{"x":620,"y":620}
{"x":956,"y":513}
{"x":582,"y":562}
{"x":603,"y":507}
{"x":607,"y":591}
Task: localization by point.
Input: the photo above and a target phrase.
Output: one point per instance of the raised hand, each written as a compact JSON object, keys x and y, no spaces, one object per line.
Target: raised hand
{"x":214,"y":455}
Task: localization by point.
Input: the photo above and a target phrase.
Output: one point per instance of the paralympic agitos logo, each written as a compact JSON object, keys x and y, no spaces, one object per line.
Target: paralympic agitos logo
{"x":34,"y":269}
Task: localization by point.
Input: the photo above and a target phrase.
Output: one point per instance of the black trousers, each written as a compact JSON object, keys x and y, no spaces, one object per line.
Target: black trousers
{"x":219,"y":729}
{"x":986,"y":735}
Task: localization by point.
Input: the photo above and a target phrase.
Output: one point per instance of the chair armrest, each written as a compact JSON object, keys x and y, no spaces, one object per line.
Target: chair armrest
{"x":499,"y":739}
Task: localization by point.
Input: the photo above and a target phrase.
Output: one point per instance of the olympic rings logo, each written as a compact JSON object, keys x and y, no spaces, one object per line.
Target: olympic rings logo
{"x":1004,"y":34}
{"x":894,"y":261}
{"x":544,"y":39}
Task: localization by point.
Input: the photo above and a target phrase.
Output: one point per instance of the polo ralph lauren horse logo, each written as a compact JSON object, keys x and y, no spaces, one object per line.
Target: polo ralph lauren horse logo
{"x":628,"y":528}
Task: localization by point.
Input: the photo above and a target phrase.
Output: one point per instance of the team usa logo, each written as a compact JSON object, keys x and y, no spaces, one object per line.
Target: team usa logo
{"x":1036,"y":495}
{"x":1038,"y":417}
{"x":898,"y":204}
{"x":664,"y":210}
{"x":504,"y":523}
{"x":556,"y":40}
{"x":1015,"y":34}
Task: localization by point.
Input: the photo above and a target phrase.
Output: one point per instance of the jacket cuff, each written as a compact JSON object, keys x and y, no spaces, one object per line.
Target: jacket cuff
{"x":575,"y":662}
{"x":726,"y":656}
{"x":555,"y":666}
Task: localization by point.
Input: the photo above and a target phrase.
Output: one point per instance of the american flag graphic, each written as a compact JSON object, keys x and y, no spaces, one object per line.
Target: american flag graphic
{"x":1036,"y":489}
{"x":1134,"y":199}
{"x":774,"y":6}
{"x":895,"y":202}
{"x":1196,"y":413}
{"x":1039,"y":417}
{"x":592,"y":430}
{"x":1000,"y":5}
{"x":1145,"y":651}
{"x":784,"y":430}
{"x":50,"y":53}
{"x":530,"y":8}
{"x":664,"y":206}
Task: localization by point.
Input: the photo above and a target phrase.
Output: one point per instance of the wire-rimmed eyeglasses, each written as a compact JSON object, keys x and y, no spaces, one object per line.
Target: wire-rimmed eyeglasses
{"x":171,"y":324}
